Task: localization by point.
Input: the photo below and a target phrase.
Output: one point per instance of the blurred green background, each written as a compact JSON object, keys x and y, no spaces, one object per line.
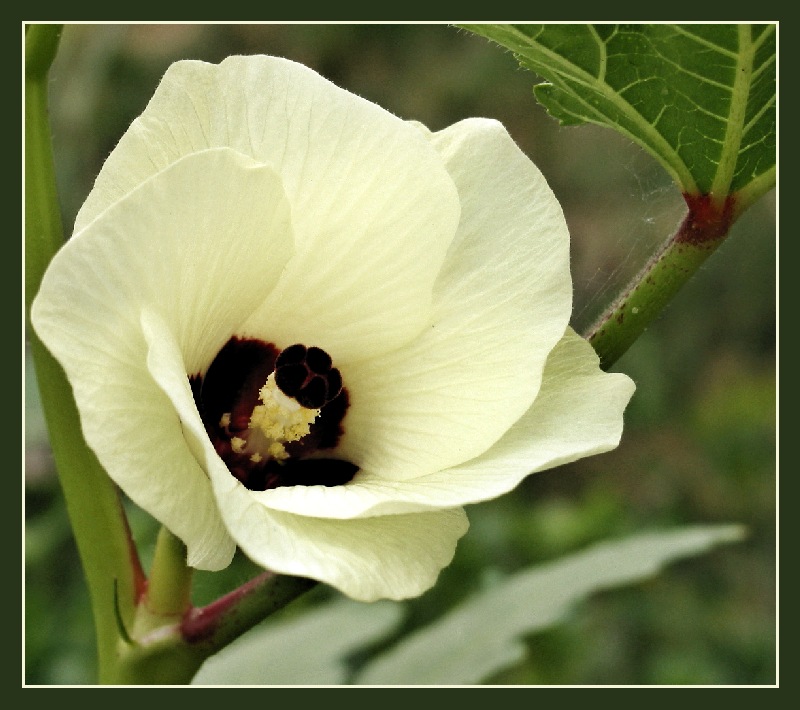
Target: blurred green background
{"x":699,"y":443}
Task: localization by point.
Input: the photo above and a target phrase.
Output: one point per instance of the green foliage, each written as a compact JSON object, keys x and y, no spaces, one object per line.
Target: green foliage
{"x":483,"y":636}
{"x":309,"y":649}
{"x":469,"y":644}
{"x":700,"y":98}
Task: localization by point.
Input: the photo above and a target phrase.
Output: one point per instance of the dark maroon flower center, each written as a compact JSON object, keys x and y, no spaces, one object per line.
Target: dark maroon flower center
{"x":235,"y":385}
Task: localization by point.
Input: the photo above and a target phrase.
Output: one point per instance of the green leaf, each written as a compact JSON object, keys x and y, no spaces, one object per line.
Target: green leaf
{"x":307,"y":650}
{"x":483,"y":635}
{"x":700,"y":98}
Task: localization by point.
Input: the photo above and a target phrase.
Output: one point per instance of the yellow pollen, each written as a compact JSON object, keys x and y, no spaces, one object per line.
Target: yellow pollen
{"x":280,"y":418}
{"x":278,"y":451}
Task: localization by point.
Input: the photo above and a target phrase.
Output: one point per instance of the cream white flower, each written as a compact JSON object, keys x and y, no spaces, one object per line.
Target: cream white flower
{"x":422,"y":278}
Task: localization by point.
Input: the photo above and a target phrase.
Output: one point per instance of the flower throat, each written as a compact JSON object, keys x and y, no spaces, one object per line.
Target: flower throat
{"x":272,"y":415}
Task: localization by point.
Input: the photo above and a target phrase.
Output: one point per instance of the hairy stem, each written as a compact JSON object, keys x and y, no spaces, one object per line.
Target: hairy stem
{"x":216,"y":625}
{"x":704,"y":228}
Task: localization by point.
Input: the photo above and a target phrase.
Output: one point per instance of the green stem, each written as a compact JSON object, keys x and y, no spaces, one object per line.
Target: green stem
{"x":44,"y":234}
{"x":755,"y":190}
{"x":169,"y":588}
{"x":109,"y":559}
{"x":703,"y":230}
{"x":169,"y":651}
{"x":214,"y":626}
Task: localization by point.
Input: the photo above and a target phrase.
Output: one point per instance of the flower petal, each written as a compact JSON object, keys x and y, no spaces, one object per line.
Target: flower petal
{"x":373,"y":208}
{"x":501,"y":302}
{"x":180,"y":501}
{"x":163,"y":247}
{"x":578,"y":412}
{"x":392,"y":556}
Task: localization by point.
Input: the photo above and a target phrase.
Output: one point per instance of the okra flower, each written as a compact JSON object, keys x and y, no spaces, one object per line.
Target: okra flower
{"x":296,"y":323}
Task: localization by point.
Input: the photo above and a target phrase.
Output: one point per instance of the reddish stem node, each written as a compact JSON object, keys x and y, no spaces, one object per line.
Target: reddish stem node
{"x":707,"y":219}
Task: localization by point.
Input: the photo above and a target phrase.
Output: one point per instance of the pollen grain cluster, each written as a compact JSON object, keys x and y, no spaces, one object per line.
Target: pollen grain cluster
{"x":280,"y":418}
